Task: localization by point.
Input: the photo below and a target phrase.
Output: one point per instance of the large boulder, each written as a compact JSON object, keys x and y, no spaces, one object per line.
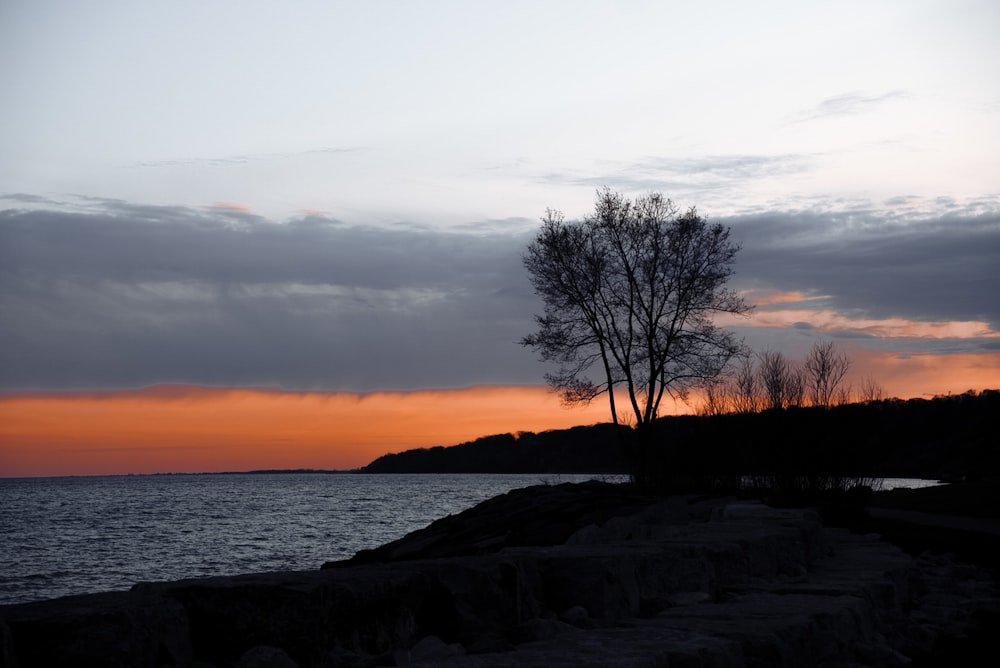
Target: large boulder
{"x":539,"y":515}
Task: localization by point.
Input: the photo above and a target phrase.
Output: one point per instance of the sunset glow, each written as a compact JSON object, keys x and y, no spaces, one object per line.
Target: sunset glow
{"x":181,"y":428}
{"x":908,"y":375}
{"x":187,"y":428}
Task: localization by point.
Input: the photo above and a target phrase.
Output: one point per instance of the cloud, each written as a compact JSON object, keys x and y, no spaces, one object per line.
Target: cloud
{"x":874,"y":265}
{"x":134,"y":295}
{"x":690,"y":176}
{"x":768,"y":298}
{"x":230,"y":160}
{"x":27,"y":198}
{"x":847,"y":104}
{"x":114,"y":294}
{"x":776,"y":309}
{"x":828,"y":320}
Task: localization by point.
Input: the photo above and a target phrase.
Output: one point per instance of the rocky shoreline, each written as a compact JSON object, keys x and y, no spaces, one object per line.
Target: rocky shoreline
{"x":587,"y":574}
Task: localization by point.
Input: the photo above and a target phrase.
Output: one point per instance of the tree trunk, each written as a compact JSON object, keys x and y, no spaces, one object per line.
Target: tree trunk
{"x":646,"y":468}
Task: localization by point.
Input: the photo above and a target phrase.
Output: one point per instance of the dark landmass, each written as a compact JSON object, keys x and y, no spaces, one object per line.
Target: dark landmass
{"x":265,"y":472}
{"x":594,"y":449}
{"x":951,"y":437}
{"x":980,"y":498}
{"x":283,"y":471}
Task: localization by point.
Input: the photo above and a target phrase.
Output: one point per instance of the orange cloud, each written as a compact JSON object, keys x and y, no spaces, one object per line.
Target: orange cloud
{"x":763,"y":298}
{"x":829,"y":320}
{"x":772,"y":312}
{"x":182,"y":428}
{"x":238,"y":207}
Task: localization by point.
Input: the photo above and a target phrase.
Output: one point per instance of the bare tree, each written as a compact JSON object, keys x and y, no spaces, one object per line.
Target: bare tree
{"x":630,"y":292}
{"x":746,"y":388}
{"x":780,"y":380}
{"x":824,"y":370}
{"x":718,"y":397}
{"x":843,"y":395}
{"x":871,"y":390}
{"x":796,"y":385}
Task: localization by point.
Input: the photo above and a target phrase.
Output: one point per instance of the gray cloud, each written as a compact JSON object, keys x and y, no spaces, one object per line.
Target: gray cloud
{"x":878,"y":266}
{"x":728,"y":166}
{"x":26,"y":198}
{"x":847,"y":104}
{"x":229,"y":160}
{"x":693,"y":177}
{"x":138,"y":295}
{"x":123,"y":295}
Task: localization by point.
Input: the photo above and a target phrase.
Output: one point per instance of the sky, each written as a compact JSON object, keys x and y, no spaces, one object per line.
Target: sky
{"x":240,"y":235}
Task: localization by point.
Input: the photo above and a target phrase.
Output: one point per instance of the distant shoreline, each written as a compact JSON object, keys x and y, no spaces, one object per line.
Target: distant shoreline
{"x":362,"y":471}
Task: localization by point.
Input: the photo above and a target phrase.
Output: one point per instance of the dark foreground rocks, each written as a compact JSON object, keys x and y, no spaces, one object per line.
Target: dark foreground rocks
{"x":619,"y":580}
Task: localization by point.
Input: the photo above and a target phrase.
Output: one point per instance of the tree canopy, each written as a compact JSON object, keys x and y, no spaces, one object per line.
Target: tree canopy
{"x":630,"y":297}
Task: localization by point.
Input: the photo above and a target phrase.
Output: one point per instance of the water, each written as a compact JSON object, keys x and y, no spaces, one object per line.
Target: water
{"x":886,"y":484}
{"x":75,"y":535}
{"x":61,"y":536}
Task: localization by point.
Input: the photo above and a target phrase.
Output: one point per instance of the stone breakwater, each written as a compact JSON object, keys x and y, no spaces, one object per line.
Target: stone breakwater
{"x":615,"y":580}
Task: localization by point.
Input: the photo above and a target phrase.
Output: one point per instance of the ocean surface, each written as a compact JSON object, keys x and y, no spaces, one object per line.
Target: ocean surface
{"x":76,"y":535}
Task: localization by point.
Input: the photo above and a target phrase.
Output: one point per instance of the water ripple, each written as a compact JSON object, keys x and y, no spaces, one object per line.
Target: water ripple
{"x":78,"y":535}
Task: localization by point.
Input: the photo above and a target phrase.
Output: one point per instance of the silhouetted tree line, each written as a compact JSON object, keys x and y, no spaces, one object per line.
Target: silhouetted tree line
{"x":792,"y":448}
{"x":825,"y":447}
{"x":593,"y":449}
{"x":769,"y":379}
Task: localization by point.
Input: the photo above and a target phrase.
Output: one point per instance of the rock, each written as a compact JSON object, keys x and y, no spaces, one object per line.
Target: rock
{"x":540,"y":515}
{"x":578,"y":616}
{"x":431,"y":647}
{"x":111,"y":629}
{"x":539,"y":629}
{"x":874,"y":654}
{"x":488,"y":643}
{"x":265,"y":656}
{"x":339,"y":657}
{"x":689,"y":598}
{"x":6,"y":646}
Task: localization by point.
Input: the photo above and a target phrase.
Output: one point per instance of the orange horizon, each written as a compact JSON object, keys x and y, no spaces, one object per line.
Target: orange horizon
{"x":178,"y":428}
